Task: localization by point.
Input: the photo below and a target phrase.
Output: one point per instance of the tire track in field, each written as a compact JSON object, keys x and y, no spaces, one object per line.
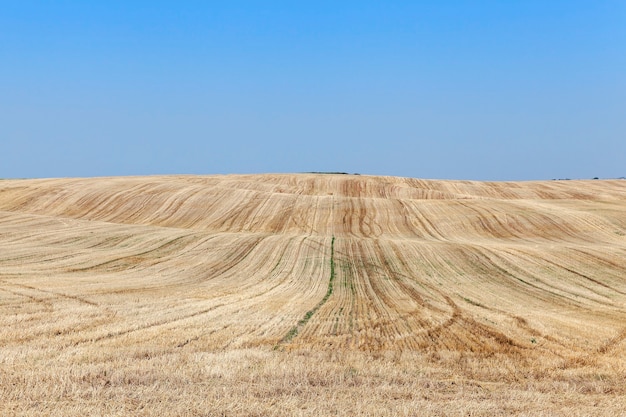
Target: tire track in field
{"x":42,"y":301}
{"x":416,"y":321}
{"x":278,"y":283}
{"x":154,"y":253}
{"x":293,"y":332}
{"x":382,"y":302}
{"x":588,"y":278}
{"x":591,"y":357}
{"x":424,"y":227}
{"x":56,"y":293}
{"x":439,"y":335}
{"x":366,"y":319}
{"x":564,"y":293}
{"x":221,"y":305}
{"x":612,"y":343}
{"x":200,"y":336}
{"x":242,"y":252}
{"x":146,"y":326}
{"x":494,"y":264}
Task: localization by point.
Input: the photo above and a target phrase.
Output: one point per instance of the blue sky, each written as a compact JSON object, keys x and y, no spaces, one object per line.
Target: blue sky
{"x":486,"y":90}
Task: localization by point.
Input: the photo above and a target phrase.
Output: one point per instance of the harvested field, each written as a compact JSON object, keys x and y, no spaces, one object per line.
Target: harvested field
{"x":311,"y":294}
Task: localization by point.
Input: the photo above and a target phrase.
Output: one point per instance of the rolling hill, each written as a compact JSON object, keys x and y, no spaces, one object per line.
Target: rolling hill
{"x":148,"y":295}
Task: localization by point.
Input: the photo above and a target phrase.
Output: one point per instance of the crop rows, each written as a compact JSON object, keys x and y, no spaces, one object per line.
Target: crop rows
{"x":163,"y":267}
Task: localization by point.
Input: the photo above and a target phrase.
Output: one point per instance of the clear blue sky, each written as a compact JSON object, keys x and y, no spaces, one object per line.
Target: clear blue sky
{"x":487,"y":90}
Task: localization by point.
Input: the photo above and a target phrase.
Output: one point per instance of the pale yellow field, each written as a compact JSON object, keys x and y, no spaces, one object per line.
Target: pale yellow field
{"x":311,"y":294}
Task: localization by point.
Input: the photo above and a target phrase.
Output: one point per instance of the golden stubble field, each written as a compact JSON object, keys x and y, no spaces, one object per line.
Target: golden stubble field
{"x":311,"y":294}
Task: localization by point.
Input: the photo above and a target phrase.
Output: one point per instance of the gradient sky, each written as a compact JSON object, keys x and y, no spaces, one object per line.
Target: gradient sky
{"x":485,"y":90}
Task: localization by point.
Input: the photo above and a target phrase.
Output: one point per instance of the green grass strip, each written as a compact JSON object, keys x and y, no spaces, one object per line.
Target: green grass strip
{"x":303,"y":321}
